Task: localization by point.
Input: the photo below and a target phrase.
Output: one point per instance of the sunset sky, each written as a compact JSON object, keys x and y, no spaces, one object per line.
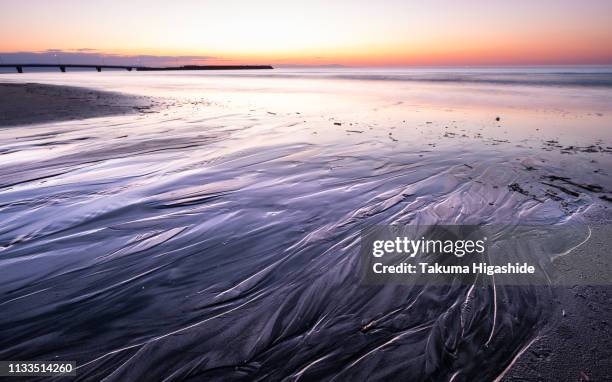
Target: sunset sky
{"x":314,"y":32}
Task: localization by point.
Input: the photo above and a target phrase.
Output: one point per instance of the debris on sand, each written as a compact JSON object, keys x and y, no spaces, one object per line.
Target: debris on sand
{"x":145,"y":109}
{"x":517,"y":188}
{"x":497,"y":119}
{"x":561,"y":188}
{"x":591,"y":149}
{"x":588,"y":187}
{"x":337,"y":124}
{"x":555,"y":177}
{"x":354,"y":131}
{"x":583,"y":149}
{"x":553,"y":195}
{"x":549,"y":145}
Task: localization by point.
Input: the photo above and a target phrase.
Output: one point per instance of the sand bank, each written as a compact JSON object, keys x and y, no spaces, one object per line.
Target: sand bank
{"x":574,"y":347}
{"x":31,"y":103}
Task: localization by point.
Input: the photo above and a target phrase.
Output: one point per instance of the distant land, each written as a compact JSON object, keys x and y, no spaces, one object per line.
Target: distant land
{"x":205,"y":67}
{"x":314,"y":66}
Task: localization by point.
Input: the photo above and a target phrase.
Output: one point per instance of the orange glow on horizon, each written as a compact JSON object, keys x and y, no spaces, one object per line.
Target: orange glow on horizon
{"x":350,"y":33}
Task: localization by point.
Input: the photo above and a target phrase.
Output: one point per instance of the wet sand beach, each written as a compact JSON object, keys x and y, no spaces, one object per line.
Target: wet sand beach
{"x":214,"y":232}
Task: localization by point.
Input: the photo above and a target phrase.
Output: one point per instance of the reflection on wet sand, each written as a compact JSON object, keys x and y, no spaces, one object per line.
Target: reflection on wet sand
{"x":214,"y":235}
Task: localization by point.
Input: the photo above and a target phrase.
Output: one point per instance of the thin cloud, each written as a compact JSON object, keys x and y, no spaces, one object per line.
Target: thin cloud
{"x":88,"y":56}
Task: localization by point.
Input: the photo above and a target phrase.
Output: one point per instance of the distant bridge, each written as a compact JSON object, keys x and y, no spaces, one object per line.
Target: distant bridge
{"x":63,"y":67}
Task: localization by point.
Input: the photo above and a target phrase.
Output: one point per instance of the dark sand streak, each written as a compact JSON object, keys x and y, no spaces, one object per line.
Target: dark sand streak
{"x":31,"y":103}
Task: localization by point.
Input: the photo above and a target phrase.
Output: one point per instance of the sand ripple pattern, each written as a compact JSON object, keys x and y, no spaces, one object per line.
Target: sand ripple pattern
{"x":189,"y":246}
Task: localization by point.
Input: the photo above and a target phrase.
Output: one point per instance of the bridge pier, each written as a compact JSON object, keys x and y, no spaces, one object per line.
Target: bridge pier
{"x":63,"y":67}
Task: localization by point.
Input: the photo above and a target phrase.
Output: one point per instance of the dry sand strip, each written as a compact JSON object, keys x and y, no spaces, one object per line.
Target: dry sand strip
{"x":31,"y":103}
{"x":576,"y":346}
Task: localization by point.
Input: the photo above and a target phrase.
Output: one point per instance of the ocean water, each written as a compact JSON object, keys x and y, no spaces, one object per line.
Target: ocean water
{"x":215,"y":235}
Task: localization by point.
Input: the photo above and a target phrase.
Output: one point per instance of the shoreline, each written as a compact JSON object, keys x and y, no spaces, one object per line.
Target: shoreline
{"x":33,"y":103}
